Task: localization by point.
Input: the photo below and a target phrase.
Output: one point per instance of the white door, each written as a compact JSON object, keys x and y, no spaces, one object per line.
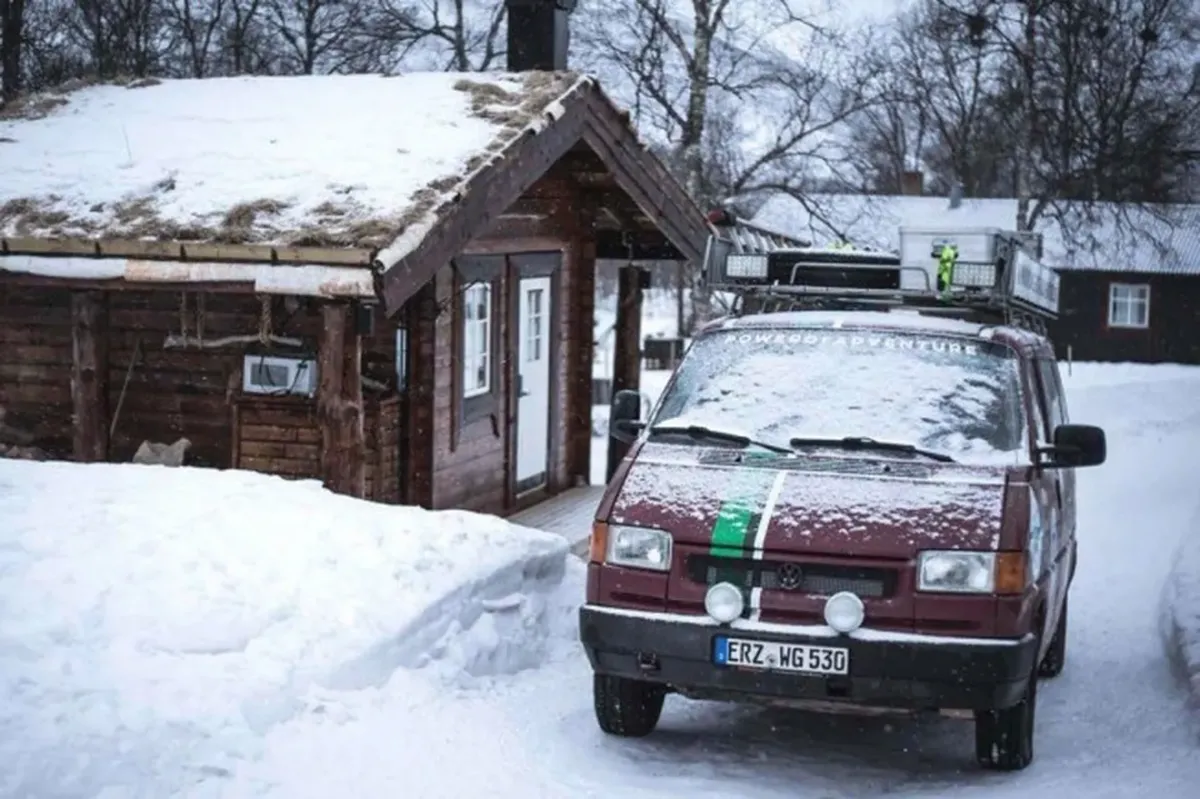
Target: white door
{"x":533,"y":369}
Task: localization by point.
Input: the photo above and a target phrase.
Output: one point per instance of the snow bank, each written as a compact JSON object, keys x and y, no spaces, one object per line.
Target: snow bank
{"x":1091,"y":374}
{"x":1181,"y":611}
{"x":156,"y":623}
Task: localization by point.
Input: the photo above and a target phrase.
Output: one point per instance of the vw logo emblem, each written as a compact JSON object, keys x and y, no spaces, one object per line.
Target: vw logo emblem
{"x":790,"y":576}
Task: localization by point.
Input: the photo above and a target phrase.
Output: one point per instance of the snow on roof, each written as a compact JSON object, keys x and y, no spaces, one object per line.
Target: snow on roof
{"x":330,"y":160}
{"x":1165,"y":240}
{"x":141,"y":612}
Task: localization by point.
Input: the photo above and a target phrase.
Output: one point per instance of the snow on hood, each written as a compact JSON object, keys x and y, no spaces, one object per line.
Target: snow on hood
{"x":952,"y":394}
{"x":830,"y":505}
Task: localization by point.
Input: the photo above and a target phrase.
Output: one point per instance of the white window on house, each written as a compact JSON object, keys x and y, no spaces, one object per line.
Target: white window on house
{"x":477,"y":340}
{"x":533,"y":343}
{"x":1128,"y":305}
{"x":401,"y":358}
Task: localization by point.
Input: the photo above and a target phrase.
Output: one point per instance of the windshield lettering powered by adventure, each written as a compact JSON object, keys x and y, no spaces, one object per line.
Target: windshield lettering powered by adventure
{"x":858,"y":341}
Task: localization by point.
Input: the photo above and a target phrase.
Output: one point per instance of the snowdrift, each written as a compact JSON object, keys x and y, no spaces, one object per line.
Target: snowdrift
{"x":156,"y":623}
{"x":1181,"y":611}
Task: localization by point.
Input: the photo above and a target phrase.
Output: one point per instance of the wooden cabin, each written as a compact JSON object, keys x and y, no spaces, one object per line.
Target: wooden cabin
{"x":385,"y":283}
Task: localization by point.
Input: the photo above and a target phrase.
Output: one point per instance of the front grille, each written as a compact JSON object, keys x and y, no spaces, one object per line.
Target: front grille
{"x":822,"y":579}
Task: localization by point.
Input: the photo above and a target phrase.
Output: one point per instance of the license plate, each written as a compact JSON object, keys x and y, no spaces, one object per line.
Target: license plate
{"x":775,"y":656}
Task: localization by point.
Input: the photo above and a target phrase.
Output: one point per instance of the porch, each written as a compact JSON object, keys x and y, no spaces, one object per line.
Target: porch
{"x":568,"y":514}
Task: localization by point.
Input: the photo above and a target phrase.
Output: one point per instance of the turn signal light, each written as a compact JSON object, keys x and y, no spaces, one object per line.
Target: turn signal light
{"x":599,"y":543}
{"x":1012,"y":574}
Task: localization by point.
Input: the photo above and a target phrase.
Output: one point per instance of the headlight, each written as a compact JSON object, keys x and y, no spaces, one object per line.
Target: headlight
{"x":639,"y":547}
{"x":957,"y":572}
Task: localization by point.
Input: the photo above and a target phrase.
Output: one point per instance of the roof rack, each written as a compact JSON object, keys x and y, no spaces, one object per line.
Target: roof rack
{"x":994,"y":277}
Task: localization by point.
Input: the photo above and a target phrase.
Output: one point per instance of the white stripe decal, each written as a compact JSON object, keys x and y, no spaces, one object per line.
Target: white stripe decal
{"x":760,"y":538}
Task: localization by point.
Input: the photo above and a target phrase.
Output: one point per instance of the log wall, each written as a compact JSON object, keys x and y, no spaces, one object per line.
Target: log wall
{"x":163,"y":394}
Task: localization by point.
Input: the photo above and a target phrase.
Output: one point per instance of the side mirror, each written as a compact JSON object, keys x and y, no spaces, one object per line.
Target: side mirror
{"x":623,"y":423}
{"x":1077,"y":445}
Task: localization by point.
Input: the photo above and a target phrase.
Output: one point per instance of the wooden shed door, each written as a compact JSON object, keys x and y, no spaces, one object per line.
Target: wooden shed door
{"x":533,"y":383}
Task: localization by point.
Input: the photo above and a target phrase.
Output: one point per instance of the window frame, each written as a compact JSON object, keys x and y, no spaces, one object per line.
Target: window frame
{"x":469,"y":408}
{"x":469,"y":362}
{"x":1135,"y":296}
{"x":536,"y":334}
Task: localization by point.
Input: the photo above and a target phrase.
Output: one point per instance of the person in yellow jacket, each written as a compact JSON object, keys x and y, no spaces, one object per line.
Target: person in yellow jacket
{"x":945,"y":272}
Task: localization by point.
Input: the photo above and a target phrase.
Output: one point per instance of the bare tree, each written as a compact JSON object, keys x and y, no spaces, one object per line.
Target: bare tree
{"x":1096,"y":97}
{"x":451,"y":35}
{"x":12,"y":27}
{"x":198,"y":24}
{"x":747,"y":98}
{"x":315,"y":34}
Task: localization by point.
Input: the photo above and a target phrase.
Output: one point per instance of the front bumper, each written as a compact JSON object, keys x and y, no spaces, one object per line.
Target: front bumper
{"x":906,"y":671}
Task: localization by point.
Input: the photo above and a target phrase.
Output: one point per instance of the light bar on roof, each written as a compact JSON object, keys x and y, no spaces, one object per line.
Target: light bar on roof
{"x":746,"y":265}
{"x":974,"y":275}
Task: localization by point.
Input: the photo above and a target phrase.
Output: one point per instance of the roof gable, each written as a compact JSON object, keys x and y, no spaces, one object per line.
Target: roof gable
{"x":1164,"y":239}
{"x":585,"y":114}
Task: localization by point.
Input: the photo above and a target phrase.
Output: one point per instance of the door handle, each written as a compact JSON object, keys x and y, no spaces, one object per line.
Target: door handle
{"x":521,"y":392}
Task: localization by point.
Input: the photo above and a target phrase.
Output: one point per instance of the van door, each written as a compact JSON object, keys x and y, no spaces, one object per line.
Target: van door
{"x":1051,"y":495}
{"x":1056,"y":402}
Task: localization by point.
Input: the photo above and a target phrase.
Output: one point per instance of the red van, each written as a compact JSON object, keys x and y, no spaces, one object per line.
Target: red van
{"x":866,"y":507}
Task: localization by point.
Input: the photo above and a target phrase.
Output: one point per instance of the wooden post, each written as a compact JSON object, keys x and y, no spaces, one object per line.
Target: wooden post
{"x":89,"y":376}
{"x":352,"y":418}
{"x":339,"y":402}
{"x":627,"y":348}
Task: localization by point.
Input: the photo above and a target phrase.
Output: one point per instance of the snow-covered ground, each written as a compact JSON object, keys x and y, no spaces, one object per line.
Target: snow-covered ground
{"x":229,"y":635}
{"x":156,"y":624}
{"x":1181,"y":610}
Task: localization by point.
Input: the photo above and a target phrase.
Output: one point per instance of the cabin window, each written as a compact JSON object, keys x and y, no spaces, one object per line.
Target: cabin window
{"x":477,"y":340}
{"x":401,"y":358}
{"x":533,"y":344}
{"x":1128,"y":305}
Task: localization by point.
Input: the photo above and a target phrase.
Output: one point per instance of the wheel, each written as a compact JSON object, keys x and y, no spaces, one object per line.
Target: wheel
{"x":1056,"y":656}
{"x":1004,"y":738}
{"x":624,"y":707}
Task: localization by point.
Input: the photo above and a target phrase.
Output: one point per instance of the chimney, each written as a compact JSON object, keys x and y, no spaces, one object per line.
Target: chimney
{"x":912,"y":183}
{"x":538,"y":34}
{"x":956,"y":195}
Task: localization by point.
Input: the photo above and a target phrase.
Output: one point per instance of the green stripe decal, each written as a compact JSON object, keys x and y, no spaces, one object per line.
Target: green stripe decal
{"x":739,"y":515}
{"x":733,"y":523}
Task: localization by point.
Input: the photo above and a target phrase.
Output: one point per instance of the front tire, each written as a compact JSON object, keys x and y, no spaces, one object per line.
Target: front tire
{"x":1056,"y":656}
{"x":1004,"y":738}
{"x":624,"y":707}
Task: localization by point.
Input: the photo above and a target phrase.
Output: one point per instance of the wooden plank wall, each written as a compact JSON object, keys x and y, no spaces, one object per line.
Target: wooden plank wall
{"x":35,"y":364}
{"x":469,"y":473}
{"x":281,"y":436}
{"x":382,"y":431}
{"x":174,"y":393}
{"x":472,"y":469}
{"x":277,"y":436}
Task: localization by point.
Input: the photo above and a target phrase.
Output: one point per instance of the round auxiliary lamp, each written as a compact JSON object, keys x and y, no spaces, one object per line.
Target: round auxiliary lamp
{"x":844,"y":611}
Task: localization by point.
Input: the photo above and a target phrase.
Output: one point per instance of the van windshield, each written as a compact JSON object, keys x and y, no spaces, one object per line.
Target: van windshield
{"x":948,"y":394}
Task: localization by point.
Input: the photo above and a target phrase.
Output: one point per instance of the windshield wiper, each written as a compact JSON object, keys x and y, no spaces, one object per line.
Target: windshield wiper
{"x":865,"y":442}
{"x":700,"y":432}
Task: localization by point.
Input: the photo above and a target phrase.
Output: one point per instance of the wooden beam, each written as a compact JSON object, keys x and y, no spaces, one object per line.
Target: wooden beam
{"x":627,"y":350}
{"x":187,"y":250}
{"x":581,"y":343}
{"x":645,"y":179}
{"x":638,"y":246}
{"x":89,"y":377}
{"x":120,"y":284}
{"x":339,"y":402}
